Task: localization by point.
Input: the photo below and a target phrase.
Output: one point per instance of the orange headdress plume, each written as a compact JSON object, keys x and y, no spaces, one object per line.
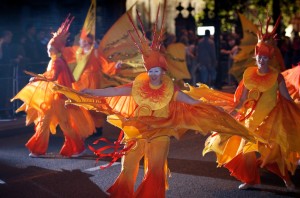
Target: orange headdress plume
{"x":265,"y":45}
{"x":60,"y":36}
{"x":151,"y":54}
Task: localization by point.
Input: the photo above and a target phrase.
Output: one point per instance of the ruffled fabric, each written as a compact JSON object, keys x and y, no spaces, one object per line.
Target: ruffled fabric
{"x":245,"y":168}
{"x":39,"y":100}
{"x":204,"y":117}
{"x":292,"y":80}
{"x":211,"y":96}
{"x":283,"y":131}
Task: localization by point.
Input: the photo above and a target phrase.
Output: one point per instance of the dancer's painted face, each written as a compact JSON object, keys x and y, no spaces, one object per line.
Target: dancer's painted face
{"x":262,"y":61}
{"x":51,"y":50}
{"x":83,"y":43}
{"x":155,"y":75}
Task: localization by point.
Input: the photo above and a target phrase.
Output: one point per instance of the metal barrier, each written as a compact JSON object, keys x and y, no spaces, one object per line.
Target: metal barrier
{"x":12,"y":80}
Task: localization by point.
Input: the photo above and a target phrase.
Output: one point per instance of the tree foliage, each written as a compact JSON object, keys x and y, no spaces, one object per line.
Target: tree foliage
{"x":254,"y":10}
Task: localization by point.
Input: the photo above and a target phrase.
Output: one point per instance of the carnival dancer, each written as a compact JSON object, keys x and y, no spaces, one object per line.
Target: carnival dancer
{"x":88,"y":66}
{"x":149,"y":111}
{"x":264,"y":106}
{"x":47,"y":109}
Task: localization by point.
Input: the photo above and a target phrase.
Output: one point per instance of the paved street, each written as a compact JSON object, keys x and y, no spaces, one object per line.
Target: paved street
{"x":54,"y":176}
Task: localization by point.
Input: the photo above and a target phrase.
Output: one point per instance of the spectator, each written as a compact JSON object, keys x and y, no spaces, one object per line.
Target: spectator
{"x":223,"y":61}
{"x":234,"y":48}
{"x":31,"y":47}
{"x":206,"y":58}
{"x":42,"y":41}
{"x":6,"y":47}
{"x":285,"y":46}
{"x":296,"y":48}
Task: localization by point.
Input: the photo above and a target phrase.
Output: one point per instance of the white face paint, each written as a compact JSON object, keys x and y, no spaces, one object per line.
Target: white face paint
{"x":83,"y":43}
{"x":262,"y":61}
{"x":155,"y":75}
{"x":51,"y":50}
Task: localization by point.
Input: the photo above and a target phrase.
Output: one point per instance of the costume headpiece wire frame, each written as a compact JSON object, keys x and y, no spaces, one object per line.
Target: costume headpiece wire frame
{"x":59,"y":38}
{"x":150,"y":53}
{"x":266,"y":41}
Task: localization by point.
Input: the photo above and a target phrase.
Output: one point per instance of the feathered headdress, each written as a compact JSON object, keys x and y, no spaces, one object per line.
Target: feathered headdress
{"x":265,"y":44}
{"x":58,"y":41}
{"x":151,"y":54}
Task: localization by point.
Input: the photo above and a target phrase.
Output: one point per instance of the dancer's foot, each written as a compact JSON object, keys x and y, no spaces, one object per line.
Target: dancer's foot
{"x":245,"y":186}
{"x":33,"y":155}
{"x":79,"y":154}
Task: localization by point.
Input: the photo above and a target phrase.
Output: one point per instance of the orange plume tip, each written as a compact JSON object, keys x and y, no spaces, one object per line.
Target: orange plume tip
{"x":59,"y":39}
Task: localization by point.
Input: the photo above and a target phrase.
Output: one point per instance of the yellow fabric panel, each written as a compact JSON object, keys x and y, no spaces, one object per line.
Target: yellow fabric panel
{"x":175,"y":56}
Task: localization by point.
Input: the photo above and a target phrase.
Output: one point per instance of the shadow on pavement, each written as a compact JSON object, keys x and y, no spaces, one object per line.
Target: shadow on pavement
{"x":36,"y":182}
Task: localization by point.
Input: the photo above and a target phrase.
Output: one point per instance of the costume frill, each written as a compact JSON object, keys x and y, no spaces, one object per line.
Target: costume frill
{"x":269,"y":116}
{"x":292,"y":80}
{"x":169,"y":118}
{"x":46,"y":109}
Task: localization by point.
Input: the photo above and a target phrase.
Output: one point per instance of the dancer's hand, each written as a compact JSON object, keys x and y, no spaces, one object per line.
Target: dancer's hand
{"x":34,"y":79}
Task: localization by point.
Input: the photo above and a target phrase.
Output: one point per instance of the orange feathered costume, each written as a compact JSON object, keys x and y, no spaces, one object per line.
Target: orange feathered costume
{"x":270,"y":117}
{"x":47,"y":109}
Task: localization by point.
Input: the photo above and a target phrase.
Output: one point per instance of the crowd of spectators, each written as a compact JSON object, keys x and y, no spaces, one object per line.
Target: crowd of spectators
{"x":205,"y":62}
{"x":228,"y":48}
{"x":20,"y":51}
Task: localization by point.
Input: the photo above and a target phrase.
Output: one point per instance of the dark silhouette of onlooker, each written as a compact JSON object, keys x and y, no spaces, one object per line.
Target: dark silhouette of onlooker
{"x":233,"y":43}
{"x":31,"y":44}
{"x":206,"y":58}
{"x":285,"y":46}
{"x":20,"y":61}
{"x":296,"y":48}
{"x":223,"y":61}
{"x":42,"y":41}
{"x":6,"y":47}
{"x":19,"y":52}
